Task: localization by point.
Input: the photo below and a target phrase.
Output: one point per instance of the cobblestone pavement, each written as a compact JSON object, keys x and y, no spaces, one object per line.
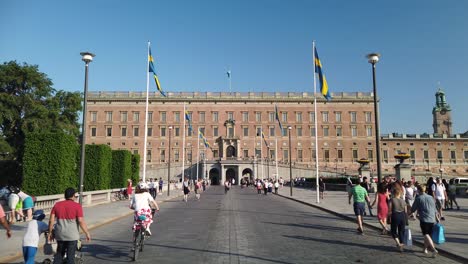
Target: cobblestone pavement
{"x":243,"y":227}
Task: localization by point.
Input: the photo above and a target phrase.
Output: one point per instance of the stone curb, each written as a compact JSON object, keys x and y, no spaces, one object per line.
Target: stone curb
{"x":420,"y":244}
{"x":9,"y":259}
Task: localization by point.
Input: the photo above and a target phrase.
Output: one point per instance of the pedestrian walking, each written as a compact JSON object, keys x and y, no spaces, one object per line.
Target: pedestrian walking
{"x":227,"y":186}
{"x":321,"y":187}
{"x":152,"y":188}
{"x":381,"y":198}
{"x":129,"y":188}
{"x":197,"y":189}
{"x":186,"y":190}
{"x":161,"y":183}
{"x":259,"y":187}
{"x":429,"y":184}
{"x":276,"y":187}
{"x":31,"y":238}
{"x":360,"y":197}
{"x":439,"y":194}
{"x":366,"y":185}
{"x":452,"y":194}
{"x":426,"y":208}
{"x":446,"y":185}
{"x":69,"y":216}
{"x":397,"y":211}
{"x":409,"y":196}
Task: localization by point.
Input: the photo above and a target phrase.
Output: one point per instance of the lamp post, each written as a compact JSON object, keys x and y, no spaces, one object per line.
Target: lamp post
{"x":440,"y":168}
{"x":87,"y":57}
{"x":290,"y":163}
{"x":268,"y":162}
{"x":373,"y":58}
{"x":169,"y":164}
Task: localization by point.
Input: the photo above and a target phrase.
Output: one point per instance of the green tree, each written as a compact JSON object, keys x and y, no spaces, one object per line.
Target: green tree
{"x":28,"y":103}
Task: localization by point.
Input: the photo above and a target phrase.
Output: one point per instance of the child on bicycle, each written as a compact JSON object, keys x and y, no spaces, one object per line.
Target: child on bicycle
{"x":141,"y":203}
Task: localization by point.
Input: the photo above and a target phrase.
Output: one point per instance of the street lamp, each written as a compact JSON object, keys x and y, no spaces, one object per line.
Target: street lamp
{"x":87,"y":57}
{"x":268,"y":162}
{"x":169,"y":164}
{"x":439,"y":157}
{"x":373,"y":58}
{"x":290,"y":163}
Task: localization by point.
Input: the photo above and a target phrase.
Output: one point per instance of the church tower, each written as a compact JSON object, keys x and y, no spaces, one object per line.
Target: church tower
{"x":442,"y":123}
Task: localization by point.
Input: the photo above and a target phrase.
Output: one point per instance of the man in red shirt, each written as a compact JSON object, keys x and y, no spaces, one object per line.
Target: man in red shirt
{"x":69,"y":215}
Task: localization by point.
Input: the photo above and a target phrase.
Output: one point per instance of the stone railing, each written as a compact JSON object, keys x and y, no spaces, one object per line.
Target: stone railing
{"x":89,"y":198}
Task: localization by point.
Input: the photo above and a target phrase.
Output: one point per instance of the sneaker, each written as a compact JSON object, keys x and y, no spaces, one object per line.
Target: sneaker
{"x":435,"y":253}
{"x":425,"y":251}
{"x":148,"y":232}
{"x":442,"y":218}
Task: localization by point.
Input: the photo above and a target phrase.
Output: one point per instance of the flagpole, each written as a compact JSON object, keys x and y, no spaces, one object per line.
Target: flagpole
{"x":276,"y":157}
{"x":316,"y":134}
{"x":261,"y":153}
{"x":198,"y":150}
{"x":255,"y":154}
{"x":146,"y":115}
{"x":183,"y":150}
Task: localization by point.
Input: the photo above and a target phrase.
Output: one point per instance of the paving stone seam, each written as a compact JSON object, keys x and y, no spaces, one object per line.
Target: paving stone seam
{"x":420,"y":244}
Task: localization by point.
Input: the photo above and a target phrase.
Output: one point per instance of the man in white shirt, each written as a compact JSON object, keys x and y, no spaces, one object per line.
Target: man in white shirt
{"x":439,"y":194}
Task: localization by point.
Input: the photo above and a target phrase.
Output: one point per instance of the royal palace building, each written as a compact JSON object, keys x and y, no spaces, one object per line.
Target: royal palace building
{"x":245,"y":139}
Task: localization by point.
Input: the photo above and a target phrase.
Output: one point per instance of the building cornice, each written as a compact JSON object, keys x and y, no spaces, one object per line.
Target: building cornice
{"x":227,"y":97}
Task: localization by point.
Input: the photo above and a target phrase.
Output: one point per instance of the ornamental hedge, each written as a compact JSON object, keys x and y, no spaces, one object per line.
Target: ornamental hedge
{"x":49,"y":163}
{"x":98,"y":165}
{"x":135,"y":168}
{"x":121,"y":168}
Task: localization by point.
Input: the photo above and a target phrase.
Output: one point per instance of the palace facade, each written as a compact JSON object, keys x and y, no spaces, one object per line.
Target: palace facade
{"x":232,"y":124}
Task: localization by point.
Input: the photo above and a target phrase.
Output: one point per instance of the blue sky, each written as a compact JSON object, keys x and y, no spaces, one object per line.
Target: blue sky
{"x":266,"y":44}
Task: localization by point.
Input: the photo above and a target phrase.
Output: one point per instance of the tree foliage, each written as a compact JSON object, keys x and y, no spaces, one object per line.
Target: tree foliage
{"x":28,"y":103}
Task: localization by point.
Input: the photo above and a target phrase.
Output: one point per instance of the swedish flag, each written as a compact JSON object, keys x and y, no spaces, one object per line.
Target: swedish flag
{"x":264,"y":139}
{"x":277,"y":117}
{"x":205,"y":142}
{"x":323,"y":81}
{"x":187,"y":117}
{"x":155,"y":76}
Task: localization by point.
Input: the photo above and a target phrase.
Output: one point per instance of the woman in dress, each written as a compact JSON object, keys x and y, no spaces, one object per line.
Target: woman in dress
{"x":381,"y":198}
{"x":129,"y":188}
{"x":185,"y":186}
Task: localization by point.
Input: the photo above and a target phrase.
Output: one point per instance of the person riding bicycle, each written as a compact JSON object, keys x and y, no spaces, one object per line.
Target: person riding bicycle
{"x":141,"y":203}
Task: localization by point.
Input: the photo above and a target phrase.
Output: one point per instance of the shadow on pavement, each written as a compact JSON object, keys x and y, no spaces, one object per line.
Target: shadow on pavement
{"x":220,"y":252}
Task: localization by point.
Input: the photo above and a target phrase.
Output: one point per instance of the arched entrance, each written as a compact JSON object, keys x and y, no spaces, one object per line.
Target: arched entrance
{"x":247,"y":175}
{"x":231,"y":152}
{"x":214,"y":177}
{"x":231,"y":174}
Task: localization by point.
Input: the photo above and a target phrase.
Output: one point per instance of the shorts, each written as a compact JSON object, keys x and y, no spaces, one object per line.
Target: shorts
{"x":440,"y":203}
{"x":359,"y":208}
{"x":409,"y":202}
{"x":426,"y":228}
{"x":28,"y":203}
{"x":13,"y":201}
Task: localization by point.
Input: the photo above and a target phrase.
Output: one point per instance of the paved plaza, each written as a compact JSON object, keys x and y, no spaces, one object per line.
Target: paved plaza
{"x":240,"y":227}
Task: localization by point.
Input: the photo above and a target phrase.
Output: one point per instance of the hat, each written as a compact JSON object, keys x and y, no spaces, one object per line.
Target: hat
{"x":38,"y":215}
{"x":69,"y":193}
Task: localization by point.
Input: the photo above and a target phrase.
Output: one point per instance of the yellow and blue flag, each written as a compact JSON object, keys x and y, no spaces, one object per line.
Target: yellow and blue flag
{"x":205,"y":142}
{"x":323,"y":81}
{"x":264,"y":140}
{"x":187,"y":117}
{"x":155,"y":76}
{"x":277,"y":117}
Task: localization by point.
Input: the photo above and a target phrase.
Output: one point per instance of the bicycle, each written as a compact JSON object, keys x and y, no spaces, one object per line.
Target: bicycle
{"x":140,"y":235}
